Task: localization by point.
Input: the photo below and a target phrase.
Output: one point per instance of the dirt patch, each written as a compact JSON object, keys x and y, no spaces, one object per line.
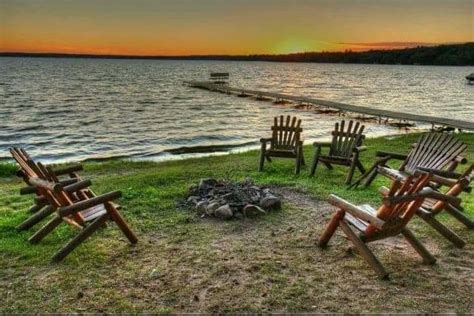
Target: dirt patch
{"x":270,"y":263}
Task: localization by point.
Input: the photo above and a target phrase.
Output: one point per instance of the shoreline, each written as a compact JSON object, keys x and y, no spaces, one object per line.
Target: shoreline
{"x":192,"y":152}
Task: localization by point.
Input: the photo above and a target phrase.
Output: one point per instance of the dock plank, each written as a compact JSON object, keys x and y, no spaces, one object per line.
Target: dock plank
{"x":454,"y":123}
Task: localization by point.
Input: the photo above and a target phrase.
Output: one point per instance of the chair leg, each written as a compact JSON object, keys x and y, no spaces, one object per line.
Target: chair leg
{"x":35,"y":208}
{"x":350,"y":175}
{"x":330,"y":228}
{"x":118,"y":219}
{"x":314,"y":165}
{"x":262,"y":159}
{"x":457,"y":214}
{"x":364,"y":251}
{"x":83,"y":235}
{"x":360,"y":166}
{"x":365,"y":176}
{"x":36,"y":218}
{"x":303,"y":162}
{"x":371,"y":177}
{"x":45,"y":230}
{"x":298,"y":161}
{"x":418,"y":246}
{"x":447,"y":233}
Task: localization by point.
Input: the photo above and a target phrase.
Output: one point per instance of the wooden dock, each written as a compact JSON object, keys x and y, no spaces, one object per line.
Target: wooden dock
{"x":379,"y":114}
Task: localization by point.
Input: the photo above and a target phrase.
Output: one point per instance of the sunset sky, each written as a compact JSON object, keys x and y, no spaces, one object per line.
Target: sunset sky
{"x":186,"y":27}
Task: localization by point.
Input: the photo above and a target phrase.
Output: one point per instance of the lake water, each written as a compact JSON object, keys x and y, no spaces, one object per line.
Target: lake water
{"x":75,"y":109}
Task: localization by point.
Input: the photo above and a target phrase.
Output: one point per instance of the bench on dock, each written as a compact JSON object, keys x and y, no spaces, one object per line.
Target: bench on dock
{"x":219,"y":77}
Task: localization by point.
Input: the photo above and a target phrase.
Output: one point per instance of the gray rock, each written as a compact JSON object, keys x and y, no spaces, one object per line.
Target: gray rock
{"x":193,"y":199}
{"x":201,"y":207}
{"x":211,"y":208}
{"x":270,"y":202}
{"x":206,"y":184}
{"x":224,"y":212}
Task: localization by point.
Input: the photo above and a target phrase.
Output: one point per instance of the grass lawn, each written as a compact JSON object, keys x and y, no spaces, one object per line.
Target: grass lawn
{"x":183,"y":263}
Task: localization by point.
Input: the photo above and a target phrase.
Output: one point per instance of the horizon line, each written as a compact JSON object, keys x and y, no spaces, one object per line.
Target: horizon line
{"x":229,"y":55}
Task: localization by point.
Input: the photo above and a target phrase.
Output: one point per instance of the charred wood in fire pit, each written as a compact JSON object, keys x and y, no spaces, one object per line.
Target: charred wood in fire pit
{"x":226,"y":200}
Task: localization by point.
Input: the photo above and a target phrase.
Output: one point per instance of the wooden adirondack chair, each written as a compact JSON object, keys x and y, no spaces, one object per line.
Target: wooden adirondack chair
{"x":343,"y":150}
{"x":432,"y":207}
{"x":391,"y":219}
{"x":435,"y":151}
{"x":41,"y":208}
{"x":89,"y":213}
{"x":286,"y":142}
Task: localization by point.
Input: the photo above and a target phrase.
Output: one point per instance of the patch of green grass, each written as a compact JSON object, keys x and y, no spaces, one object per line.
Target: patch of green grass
{"x":7,"y":170}
{"x":269,"y":263}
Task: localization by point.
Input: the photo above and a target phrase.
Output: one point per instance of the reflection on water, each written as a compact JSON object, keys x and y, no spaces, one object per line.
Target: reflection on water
{"x":74,"y":109}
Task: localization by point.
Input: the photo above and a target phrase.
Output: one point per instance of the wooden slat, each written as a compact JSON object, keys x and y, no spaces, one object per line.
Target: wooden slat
{"x":441,"y":143}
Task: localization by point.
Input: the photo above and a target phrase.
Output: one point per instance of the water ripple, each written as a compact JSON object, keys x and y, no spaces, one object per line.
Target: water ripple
{"x":74,"y":109}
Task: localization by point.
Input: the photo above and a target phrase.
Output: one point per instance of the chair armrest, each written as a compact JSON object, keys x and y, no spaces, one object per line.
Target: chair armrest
{"x":266,"y":140}
{"x":45,"y":185}
{"x":68,"y":170}
{"x":453,"y":200}
{"x":360,"y":149}
{"x":440,"y":180}
{"x":321,"y":144}
{"x":83,"y":205}
{"x":78,"y":186}
{"x":442,"y":173}
{"x":397,"y":156}
{"x":425,"y":192}
{"x":385,"y":171}
{"x":28,"y":190}
{"x":355,"y":211}
{"x":460,"y":159}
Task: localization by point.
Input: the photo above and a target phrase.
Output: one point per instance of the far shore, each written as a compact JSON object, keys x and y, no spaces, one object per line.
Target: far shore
{"x":441,"y":55}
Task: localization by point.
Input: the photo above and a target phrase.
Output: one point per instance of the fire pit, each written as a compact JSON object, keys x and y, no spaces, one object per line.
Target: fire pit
{"x":226,"y":200}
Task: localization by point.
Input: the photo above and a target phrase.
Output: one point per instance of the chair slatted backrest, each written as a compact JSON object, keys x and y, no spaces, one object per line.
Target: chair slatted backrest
{"x":26,"y":164}
{"x":344,"y":141}
{"x":406,"y":201}
{"x":286,"y":133}
{"x":31,"y":170}
{"x":434,"y":151}
{"x":38,"y":170}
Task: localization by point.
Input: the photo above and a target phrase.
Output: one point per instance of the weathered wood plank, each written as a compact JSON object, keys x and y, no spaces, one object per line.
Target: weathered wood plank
{"x":454,"y":123}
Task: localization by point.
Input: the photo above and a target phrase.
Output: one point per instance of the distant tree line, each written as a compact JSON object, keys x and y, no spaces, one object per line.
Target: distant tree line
{"x":455,"y":55}
{"x":446,"y":55}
